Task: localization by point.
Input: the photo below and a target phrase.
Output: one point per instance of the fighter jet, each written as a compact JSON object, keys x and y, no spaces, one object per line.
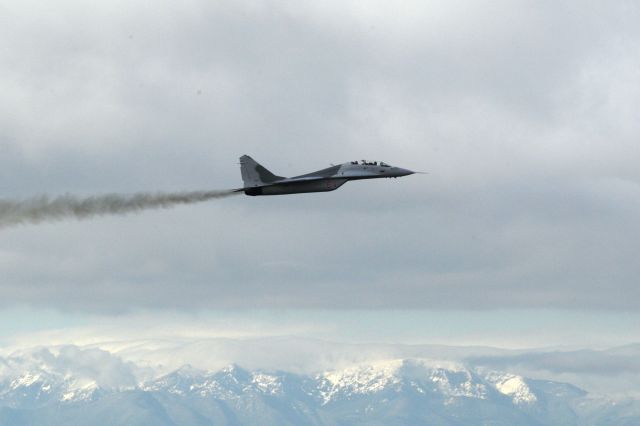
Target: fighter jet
{"x":260,"y":181}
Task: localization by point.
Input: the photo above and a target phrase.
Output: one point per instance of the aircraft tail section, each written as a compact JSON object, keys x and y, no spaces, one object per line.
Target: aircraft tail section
{"x":253,"y":174}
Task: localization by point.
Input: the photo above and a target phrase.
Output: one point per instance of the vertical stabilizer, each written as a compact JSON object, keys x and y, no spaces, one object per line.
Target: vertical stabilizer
{"x":253,"y":174}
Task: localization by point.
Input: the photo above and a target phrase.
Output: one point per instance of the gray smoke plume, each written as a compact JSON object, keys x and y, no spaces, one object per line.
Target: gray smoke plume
{"x":43,"y":208}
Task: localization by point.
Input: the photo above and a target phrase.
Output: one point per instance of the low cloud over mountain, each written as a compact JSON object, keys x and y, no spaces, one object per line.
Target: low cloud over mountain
{"x":57,"y":385}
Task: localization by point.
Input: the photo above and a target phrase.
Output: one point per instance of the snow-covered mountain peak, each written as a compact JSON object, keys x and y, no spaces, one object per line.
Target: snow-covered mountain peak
{"x":513,"y":386}
{"x":27,"y":379}
{"x":418,"y":375}
{"x":80,"y":392}
{"x":359,"y":379}
{"x":267,"y":383}
{"x":381,"y":371}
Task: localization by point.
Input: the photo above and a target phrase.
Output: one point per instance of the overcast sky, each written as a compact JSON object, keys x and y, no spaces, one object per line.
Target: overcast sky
{"x":526,"y":114}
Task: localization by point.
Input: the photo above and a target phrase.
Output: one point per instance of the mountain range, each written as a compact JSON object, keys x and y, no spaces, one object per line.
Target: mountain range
{"x":42,"y":387}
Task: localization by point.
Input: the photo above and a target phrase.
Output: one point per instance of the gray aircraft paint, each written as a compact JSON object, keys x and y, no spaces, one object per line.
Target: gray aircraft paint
{"x":328,"y":172}
{"x":260,"y":181}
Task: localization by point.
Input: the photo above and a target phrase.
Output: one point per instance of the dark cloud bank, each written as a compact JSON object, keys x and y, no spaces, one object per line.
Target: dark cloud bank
{"x":525,"y":115}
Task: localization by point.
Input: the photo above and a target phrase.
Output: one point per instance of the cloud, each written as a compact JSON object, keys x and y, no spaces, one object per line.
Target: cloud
{"x":524,"y":115}
{"x":611,"y":372}
{"x":619,"y":361}
{"x":126,"y":362}
{"x":83,"y":366}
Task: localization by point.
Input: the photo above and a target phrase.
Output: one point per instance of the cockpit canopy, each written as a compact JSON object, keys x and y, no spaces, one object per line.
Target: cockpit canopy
{"x":370,"y":163}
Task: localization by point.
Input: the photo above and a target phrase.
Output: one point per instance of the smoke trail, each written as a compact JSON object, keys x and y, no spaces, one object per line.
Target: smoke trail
{"x":43,"y":208}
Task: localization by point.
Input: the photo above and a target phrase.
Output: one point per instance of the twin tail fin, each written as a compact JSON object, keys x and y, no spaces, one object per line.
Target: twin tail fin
{"x":253,"y":174}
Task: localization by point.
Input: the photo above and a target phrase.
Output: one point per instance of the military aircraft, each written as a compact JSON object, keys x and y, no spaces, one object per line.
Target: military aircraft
{"x":260,"y":181}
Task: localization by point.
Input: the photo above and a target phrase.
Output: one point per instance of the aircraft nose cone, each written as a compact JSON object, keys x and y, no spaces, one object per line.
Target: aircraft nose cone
{"x":403,"y":172}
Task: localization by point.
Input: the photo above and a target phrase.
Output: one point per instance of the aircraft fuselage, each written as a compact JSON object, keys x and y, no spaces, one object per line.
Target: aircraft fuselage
{"x":260,"y":181}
